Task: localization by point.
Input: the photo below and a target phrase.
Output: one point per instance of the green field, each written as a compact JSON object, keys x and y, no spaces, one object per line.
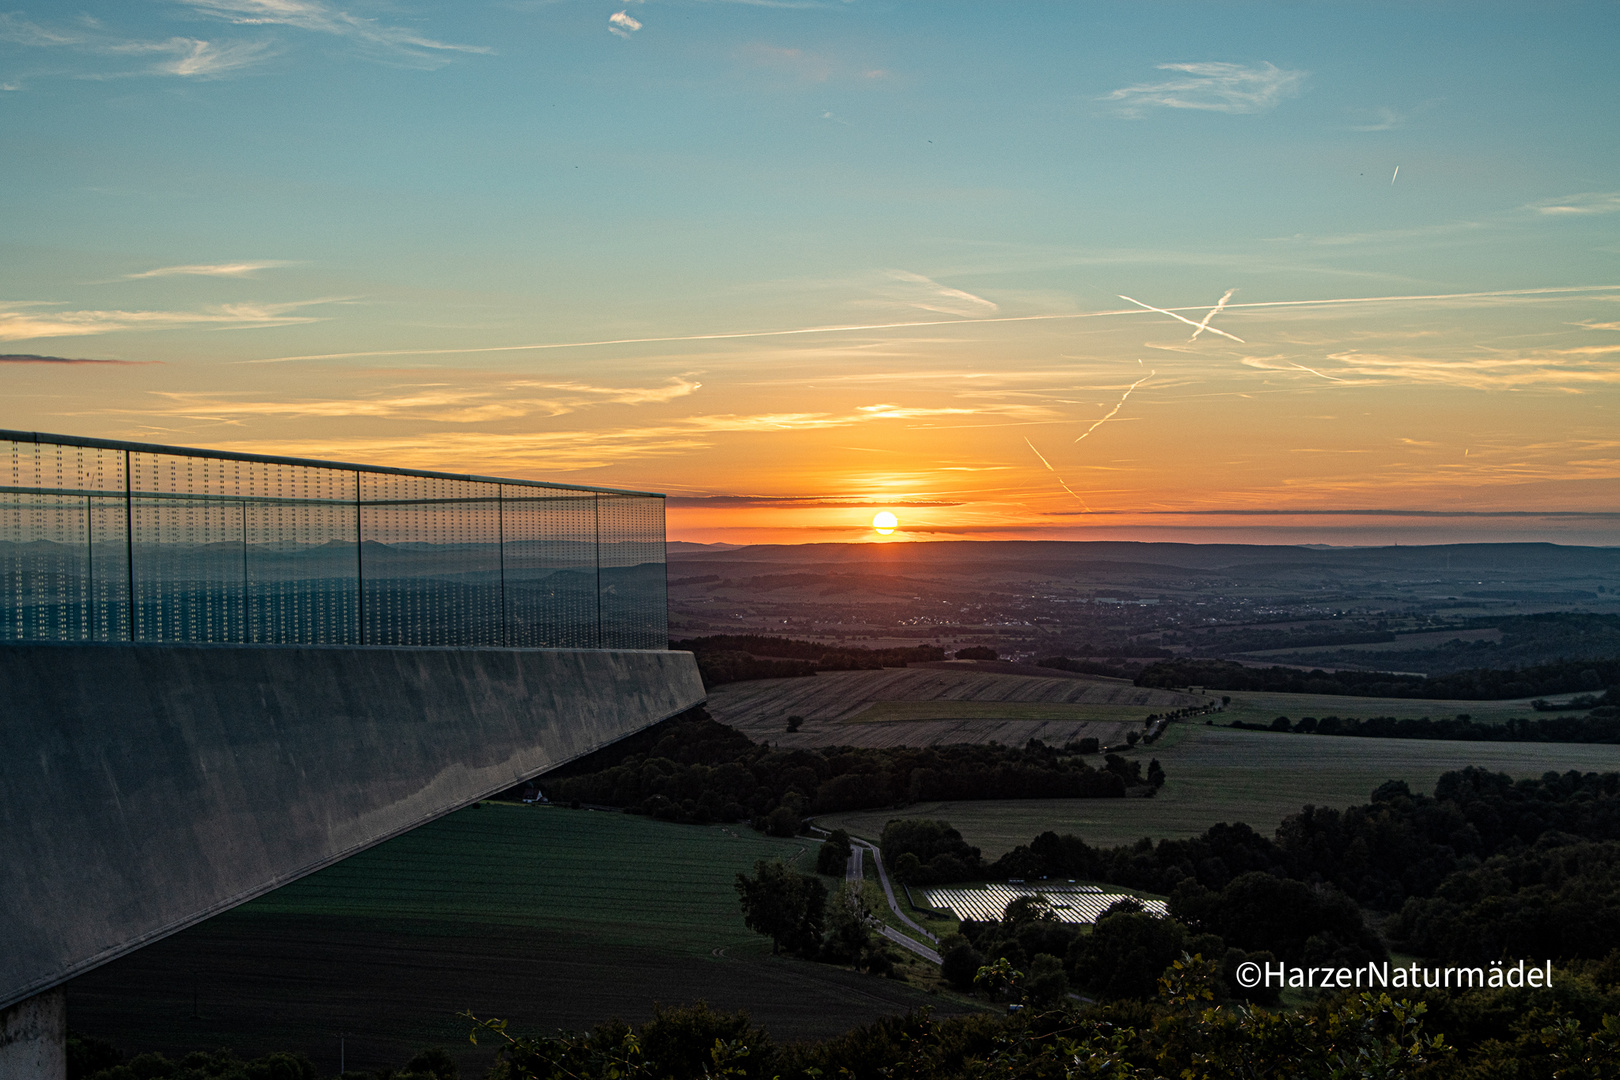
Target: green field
{"x":885,"y":712}
{"x":1216,"y":774}
{"x":549,"y":917}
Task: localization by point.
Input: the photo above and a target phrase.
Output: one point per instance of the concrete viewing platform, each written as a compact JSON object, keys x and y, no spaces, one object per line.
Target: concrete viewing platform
{"x":149,"y":786}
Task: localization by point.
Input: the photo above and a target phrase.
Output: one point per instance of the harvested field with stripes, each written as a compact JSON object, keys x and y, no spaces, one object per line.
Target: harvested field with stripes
{"x":928,"y":706}
{"x":1077,"y":904}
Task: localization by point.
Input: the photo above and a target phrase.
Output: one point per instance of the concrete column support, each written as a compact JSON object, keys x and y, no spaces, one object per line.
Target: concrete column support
{"x":33,"y":1038}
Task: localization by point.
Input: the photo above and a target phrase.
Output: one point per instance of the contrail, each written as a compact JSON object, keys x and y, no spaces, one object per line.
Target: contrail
{"x":1054,"y":473}
{"x":840,"y":329}
{"x":1214,"y":311}
{"x":1392,"y":178}
{"x":1313,"y":371}
{"x":1117,"y":406}
{"x":1184,"y":319}
{"x":935,"y":322}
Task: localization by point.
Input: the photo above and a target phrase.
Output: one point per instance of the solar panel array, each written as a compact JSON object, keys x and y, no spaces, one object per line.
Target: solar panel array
{"x":108,"y":541}
{"x":1079,"y":904}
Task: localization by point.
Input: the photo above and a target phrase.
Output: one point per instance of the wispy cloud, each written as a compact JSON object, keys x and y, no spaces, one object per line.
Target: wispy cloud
{"x":1499,"y":296}
{"x":520,"y":452}
{"x":1382,"y":119}
{"x":808,"y":66}
{"x":206,"y":59}
{"x":927,"y":294}
{"x":1572,"y":370}
{"x":233,"y":270}
{"x":623,"y":24}
{"x":186,"y":57}
{"x":395,"y":43}
{"x":26,"y":358}
{"x":804,"y":501}
{"x":1590,"y":202}
{"x":434,"y":402}
{"x":20,"y":322}
{"x":20,"y":31}
{"x":1211,"y":87}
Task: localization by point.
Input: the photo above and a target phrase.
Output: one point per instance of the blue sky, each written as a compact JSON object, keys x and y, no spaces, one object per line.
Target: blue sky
{"x":201,"y":189}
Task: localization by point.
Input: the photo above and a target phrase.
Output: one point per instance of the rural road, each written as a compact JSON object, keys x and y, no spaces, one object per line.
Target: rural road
{"x":888,"y":891}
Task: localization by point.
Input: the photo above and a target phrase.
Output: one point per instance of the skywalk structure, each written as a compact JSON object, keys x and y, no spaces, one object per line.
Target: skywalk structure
{"x":221,"y":672}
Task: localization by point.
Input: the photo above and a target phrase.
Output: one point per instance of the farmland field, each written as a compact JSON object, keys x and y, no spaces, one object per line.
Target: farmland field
{"x":1216,"y":774}
{"x":548,"y":917}
{"x":836,"y":707}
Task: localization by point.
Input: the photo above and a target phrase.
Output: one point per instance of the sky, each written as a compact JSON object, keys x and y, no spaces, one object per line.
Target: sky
{"x":1298,"y":272}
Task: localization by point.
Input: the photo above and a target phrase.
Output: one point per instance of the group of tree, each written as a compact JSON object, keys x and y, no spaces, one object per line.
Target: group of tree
{"x":95,"y":1059}
{"x":793,"y":910}
{"x":1181,"y":1028}
{"x":1558,"y":898}
{"x":1256,"y":917}
{"x":1485,"y":863}
{"x":1602,"y":725}
{"x":725,"y":658}
{"x":1474,"y":684}
{"x":926,"y":852}
{"x":693,"y":769}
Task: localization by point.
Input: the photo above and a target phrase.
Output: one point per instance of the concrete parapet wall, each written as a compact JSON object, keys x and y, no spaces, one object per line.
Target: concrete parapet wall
{"x":146,"y":787}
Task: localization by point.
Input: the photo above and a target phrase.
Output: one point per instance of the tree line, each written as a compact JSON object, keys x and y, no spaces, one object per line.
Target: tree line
{"x":1601,"y":726}
{"x":724,"y":658}
{"x":1465,"y":871}
{"x":695,"y":770}
{"x":1475,"y":684}
{"x":1181,"y":1029}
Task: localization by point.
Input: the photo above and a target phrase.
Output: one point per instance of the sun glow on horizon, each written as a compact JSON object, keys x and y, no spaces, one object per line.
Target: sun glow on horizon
{"x":885,"y":523}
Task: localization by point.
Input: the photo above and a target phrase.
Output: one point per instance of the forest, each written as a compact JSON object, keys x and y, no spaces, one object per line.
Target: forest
{"x":724,"y":658}
{"x":1474,"y":684}
{"x":694,"y":770}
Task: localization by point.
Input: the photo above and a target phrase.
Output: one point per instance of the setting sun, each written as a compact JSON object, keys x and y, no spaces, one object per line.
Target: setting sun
{"x":884,"y":522}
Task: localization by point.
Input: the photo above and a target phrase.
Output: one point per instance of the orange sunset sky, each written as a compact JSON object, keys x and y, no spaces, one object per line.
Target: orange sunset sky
{"x":795,"y":265}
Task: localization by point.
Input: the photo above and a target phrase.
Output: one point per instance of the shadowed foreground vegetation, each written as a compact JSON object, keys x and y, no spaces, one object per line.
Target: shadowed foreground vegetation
{"x":1183,"y":1029}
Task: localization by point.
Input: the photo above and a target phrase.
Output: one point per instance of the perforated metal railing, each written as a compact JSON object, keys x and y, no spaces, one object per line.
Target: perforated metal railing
{"x":112,"y":541}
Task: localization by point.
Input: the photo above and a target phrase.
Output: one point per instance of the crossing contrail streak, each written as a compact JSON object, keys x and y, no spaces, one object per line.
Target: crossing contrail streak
{"x":1214,"y":311}
{"x":1120,"y":404}
{"x":1392,"y":178}
{"x":1313,"y":371}
{"x":1183,"y":318}
{"x":842,"y":329}
{"x":1055,"y":475}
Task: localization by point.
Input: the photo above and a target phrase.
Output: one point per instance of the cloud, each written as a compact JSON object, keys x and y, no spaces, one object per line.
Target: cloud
{"x":1571,"y":370}
{"x":26,"y":358}
{"x":20,"y":31}
{"x":516,"y":453}
{"x":803,"y":501}
{"x":622,"y":24}
{"x":234,"y":270}
{"x":1211,"y":87}
{"x":1384,"y":119}
{"x":182,"y":56}
{"x":203,"y":59}
{"x":19,"y":323}
{"x":1590,"y":202}
{"x":930,"y":295}
{"x":436,"y":402}
{"x":390,"y":42}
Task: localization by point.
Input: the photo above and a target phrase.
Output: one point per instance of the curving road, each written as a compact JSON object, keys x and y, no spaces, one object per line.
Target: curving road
{"x":853,"y":873}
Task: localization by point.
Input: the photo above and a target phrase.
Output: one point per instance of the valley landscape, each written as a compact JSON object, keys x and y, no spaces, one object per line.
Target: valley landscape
{"x":809,"y":539}
{"x":592,"y":914}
